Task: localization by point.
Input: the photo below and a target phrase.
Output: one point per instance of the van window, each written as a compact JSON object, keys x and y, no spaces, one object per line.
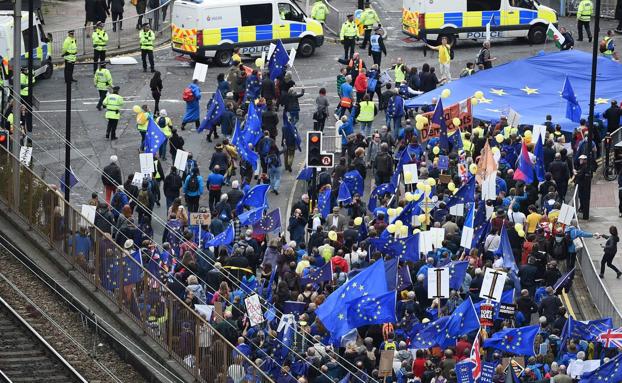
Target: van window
{"x":483,"y":5}
{"x":287,"y":12}
{"x":256,"y":14}
{"x":26,"y":37}
{"x":527,"y":4}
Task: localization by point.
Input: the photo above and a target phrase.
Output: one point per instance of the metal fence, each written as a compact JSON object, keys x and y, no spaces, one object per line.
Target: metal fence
{"x":607,"y":7}
{"x":182,"y":332}
{"x":597,"y":289}
{"x":334,"y":19}
{"x":125,"y":37}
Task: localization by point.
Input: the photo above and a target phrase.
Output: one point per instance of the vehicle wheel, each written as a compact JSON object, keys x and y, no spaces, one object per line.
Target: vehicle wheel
{"x":306,"y":48}
{"x":48,"y":70}
{"x":223,"y":57}
{"x":537,"y":34}
{"x":451,"y":39}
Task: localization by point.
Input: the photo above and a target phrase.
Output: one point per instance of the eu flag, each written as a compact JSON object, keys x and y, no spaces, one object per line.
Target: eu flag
{"x":110,"y":267}
{"x":390,"y":270}
{"x":564,"y":282}
{"x":505,"y":250}
{"x":363,"y":232}
{"x":305,"y":174}
{"x":445,"y":330}
{"x":294,"y":307}
{"x":379,"y":191}
{"x":573,"y":109}
{"x":466,"y":193}
{"x":608,"y":372}
{"x":73,"y":181}
{"x":439,"y":119}
{"x":323,"y":202}
{"x":256,"y":197}
{"x":333,"y":312}
{"x":224,"y":238}
{"x":291,"y":131}
{"x":247,"y":154}
{"x":372,"y":309}
{"x":518,"y":341}
{"x":154,"y":137}
{"x":430,"y":335}
{"x":403,"y":278}
{"x":355,"y":182}
{"x":278,"y":61}
{"x":538,"y":152}
{"x":251,"y":217}
{"x":319,"y":274}
{"x":587,"y":330}
{"x":524,"y":170}
{"x":457,"y":272}
{"x":133,"y":270}
{"x":269,"y":223}
{"x":252,"y":126}
{"x":344,"y":195}
{"x":215,"y":107}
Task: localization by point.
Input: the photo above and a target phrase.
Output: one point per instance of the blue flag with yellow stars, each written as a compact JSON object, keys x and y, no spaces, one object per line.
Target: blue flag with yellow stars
{"x":344,"y":195}
{"x":323,"y":202}
{"x":319,"y":275}
{"x":256,"y":197}
{"x":269,"y":223}
{"x":518,"y":341}
{"x":457,"y":272}
{"x":608,"y":372}
{"x":251,"y":217}
{"x":291,"y":133}
{"x":372,"y":309}
{"x":154,"y":137}
{"x":133,"y":271}
{"x":398,"y":276}
{"x":466,"y":193}
{"x":379,"y":191}
{"x":538,"y":152}
{"x":224,"y":238}
{"x":247,"y":154}
{"x":333,"y":312}
{"x":305,"y":174}
{"x":439,"y":119}
{"x":277,"y":61}
{"x":215,"y":107}
{"x":587,"y":330}
{"x":73,"y":181}
{"x":354,"y":181}
{"x":505,"y":250}
{"x":252,"y":133}
{"x":573,"y":109}
{"x":110,"y":266}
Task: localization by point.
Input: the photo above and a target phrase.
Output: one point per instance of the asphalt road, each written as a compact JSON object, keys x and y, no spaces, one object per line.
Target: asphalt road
{"x":88,"y":124}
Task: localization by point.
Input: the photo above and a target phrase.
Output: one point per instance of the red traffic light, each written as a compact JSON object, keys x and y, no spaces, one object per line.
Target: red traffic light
{"x":2,"y":137}
{"x":315,"y":138}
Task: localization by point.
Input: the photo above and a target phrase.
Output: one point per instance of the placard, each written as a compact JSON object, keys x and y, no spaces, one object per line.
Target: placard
{"x":486,"y":315}
{"x":566,"y":214}
{"x":412,"y":168}
{"x":443,"y":162}
{"x":507,"y":310}
{"x":428,"y":242}
{"x":253,"y":310}
{"x":488,"y":372}
{"x":464,"y":371}
{"x":205,"y":310}
{"x":457,"y":210}
{"x":492,"y":287}
{"x":146,"y":163}
{"x":438,"y":236}
{"x":88,"y":212}
{"x":513,"y":118}
{"x":181,"y":158}
{"x":438,"y":282}
{"x":539,"y":130}
{"x":25,"y":155}
{"x":578,"y":367}
{"x":385,"y":367}
{"x":292,"y":57}
{"x":199,"y":218}
{"x":466,"y":240}
{"x":460,"y":110}
{"x":138,"y":179}
{"x":517,"y":363}
{"x":200,"y":72}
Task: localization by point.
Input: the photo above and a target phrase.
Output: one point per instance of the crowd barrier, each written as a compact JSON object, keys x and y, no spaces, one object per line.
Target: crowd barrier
{"x":607,"y":7}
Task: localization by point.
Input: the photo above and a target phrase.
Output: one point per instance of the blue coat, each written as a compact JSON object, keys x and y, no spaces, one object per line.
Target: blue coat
{"x":193,"y":110}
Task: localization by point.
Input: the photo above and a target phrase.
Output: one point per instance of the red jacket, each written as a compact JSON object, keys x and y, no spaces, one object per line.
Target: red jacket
{"x":360,"y":84}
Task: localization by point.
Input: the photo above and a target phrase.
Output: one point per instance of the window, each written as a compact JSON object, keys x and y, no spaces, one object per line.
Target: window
{"x":287,"y":12}
{"x":26,"y":38}
{"x":527,"y":4}
{"x":257,"y":14}
{"x":483,"y":5}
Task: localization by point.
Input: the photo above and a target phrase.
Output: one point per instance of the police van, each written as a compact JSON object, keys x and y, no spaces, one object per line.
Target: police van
{"x":42,"y":59}
{"x":467,"y":19}
{"x":211,"y":29}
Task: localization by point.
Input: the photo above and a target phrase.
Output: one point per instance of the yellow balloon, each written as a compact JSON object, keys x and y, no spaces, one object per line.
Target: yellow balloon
{"x":479,"y":94}
{"x":455,"y":191}
{"x":431,"y":181}
{"x":436,"y":150}
{"x":391,"y":212}
{"x":259,"y":62}
{"x":528,"y":133}
{"x":398,"y":223}
{"x":409,"y":197}
{"x":419,"y":117}
{"x":421,"y":218}
{"x":404,"y":231}
{"x":417,"y":231}
{"x":332,"y":235}
{"x":451,"y":186}
{"x":445,"y":93}
{"x":499,"y":138}
{"x":427,"y":188}
{"x":474,"y":101}
{"x":391,"y":228}
{"x":420,"y":186}
{"x":521,"y":233}
{"x":456,"y":121}
{"x":495,"y":150}
{"x":137,"y":109}
{"x":416,"y":196}
{"x":419,"y":125}
{"x":518,"y":227}
{"x":473,"y":168}
{"x":408,"y":177}
{"x":399,"y":210}
{"x":424,"y":120}
{"x":358,"y":221}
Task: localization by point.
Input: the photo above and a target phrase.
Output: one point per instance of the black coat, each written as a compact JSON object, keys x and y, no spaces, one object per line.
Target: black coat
{"x":90,"y":10}
{"x":116,"y":5}
{"x":101,"y":11}
{"x":172,"y":185}
{"x":112,"y":175}
{"x":618,"y":14}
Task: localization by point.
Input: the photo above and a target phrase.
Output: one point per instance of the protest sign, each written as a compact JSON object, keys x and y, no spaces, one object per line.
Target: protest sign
{"x":492,"y":287}
{"x":460,"y":110}
{"x":253,"y":310}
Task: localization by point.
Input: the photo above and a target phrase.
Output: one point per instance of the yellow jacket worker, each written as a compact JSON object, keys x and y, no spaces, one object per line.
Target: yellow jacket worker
{"x":444,"y":59}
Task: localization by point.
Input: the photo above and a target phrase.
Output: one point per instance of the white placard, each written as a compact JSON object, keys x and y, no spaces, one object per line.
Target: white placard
{"x":489,"y":211}
{"x":200,"y":72}
{"x":263,"y":59}
{"x":489,"y":187}
{"x":488,"y":31}
{"x":412,"y":168}
{"x":457,"y":210}
{"x":181,"y":158}
{"x":426,"y":242}
{"x":271,"y":49}
{"x":578,"y":367}
{"x":205,"y":310}
{"x":88,"y":212}
{"x":146,"y":163}
{"x":253,"y":310}
{"x":492,"y":287}
{"x":438,"y":282}
{"x":467,"y":237}
{"x":566,"y":214}
{"x":25,"y":155}
{"x":513,"y":118}
{"x":438,"y":235}
{"x":292,"y":57}
{"x":539,"y":130}
{"x":138,"y":179}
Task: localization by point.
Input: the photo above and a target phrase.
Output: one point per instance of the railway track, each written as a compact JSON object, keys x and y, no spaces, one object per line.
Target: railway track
{"x":25,"y":356}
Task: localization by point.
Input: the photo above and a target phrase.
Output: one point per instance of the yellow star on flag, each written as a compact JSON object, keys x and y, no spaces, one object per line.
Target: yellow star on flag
{"x":529,"y":90}
{"x":485,"y":100}
{"x":601,"y":100}
{"x":498,"y":92}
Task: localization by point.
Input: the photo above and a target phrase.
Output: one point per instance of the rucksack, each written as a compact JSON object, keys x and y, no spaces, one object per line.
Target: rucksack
{"x":559,"y":249}
{"x":480,"y":56}
{"x":193,"y":184}
{"x":143,"y":198}
{"x":265,"y":147}
{"x":162,"y":122}
{"x":188,"y":95}
{"x":116,"y":202}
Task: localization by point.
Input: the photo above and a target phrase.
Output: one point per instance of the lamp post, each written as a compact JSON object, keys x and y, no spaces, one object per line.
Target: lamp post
{"x":17,"y":52}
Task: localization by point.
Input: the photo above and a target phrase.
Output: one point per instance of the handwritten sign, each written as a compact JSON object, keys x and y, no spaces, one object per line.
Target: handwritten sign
{"x":253,"y":310}
{"x":461,"y":110}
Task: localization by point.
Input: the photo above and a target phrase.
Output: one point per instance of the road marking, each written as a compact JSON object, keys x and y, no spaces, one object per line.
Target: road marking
{"x":568,"y":306}
{"x":150,"y":100}
{"x":61,"y":111}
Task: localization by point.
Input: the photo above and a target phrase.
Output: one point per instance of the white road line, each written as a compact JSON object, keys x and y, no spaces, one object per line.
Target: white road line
{"x":61,"y":111}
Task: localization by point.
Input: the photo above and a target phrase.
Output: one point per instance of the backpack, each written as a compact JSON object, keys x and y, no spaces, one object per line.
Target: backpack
{"x":558,"y":250}
{"x":188,"y":95}
{"x":265,"y":147}
{"x":162,"y":122}
{"x":273,"y":161}
{"x":193,"y":184}
{"x":143,"y":198}
{"x":480,"y":56}
{"x":116,"y":202}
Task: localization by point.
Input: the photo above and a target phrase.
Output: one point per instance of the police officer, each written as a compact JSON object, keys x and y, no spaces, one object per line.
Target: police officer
{"x":369,"y":17}
{"x":584,"y":14}
{"x":23,"y":82}
{"x":376,"y":47}
{"x":147,"y":37}
{"x":100,"y":41}
{"x":102,"y":81}
{"x":113,"y":104}
{"x":583,"y":179}
{"x":69,"y":53}
{"x":319,"y":11}
{"x":348,"y":37}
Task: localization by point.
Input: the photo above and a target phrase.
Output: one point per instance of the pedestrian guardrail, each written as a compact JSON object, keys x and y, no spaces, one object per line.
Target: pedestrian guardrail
{"x":334,"y":19}
{"x":595,"y":286}
{"x":607,"y":8}
{"x":122,"y":34}
{"x":141,"y":295}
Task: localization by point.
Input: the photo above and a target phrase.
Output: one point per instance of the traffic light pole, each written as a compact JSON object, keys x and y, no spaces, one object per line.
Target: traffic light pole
{"x":14,"y":141}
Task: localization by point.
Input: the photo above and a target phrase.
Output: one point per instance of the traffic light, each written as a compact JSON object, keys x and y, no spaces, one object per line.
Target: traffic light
{"x":314,"y":149}
{"x":4,"y":138}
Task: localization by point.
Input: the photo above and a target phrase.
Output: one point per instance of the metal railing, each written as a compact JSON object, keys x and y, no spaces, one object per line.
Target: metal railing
{"x":607,"y":8}
{"x":334,"y":19}
{"x":178,"y":329}
{"x":125,"y":37}
{"x":595,"y":286}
